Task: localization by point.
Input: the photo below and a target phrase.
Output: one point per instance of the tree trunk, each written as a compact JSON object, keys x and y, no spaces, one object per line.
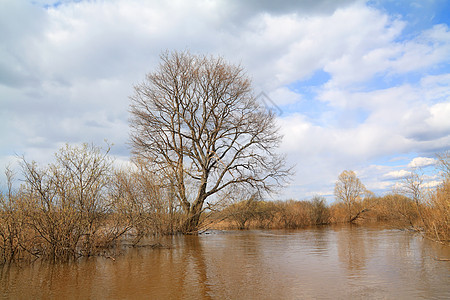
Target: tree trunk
{"x":193,"y":216}
{"x":192,"y":221}
{"x":195,"y":210}
{"x":190,"y":226}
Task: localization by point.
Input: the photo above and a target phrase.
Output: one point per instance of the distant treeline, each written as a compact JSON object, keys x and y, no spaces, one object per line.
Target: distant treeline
{"x":414,"y":206}
{"x":396,"y":209}
{"x":80,"y":205}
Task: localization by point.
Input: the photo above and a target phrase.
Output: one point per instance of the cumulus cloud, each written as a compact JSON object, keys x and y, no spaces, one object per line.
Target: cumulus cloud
{"x":284,"y":96}
{"x":422,"y":162}
{"x":400,"y":174}
{"x":432,"y":184}
{"x":68,"y":67}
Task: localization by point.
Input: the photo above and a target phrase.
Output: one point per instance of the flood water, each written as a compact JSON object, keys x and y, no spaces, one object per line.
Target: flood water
{"x":344,"y":262}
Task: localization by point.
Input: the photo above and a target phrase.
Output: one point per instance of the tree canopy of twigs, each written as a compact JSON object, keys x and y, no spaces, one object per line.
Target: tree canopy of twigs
{"x":196,"y":120}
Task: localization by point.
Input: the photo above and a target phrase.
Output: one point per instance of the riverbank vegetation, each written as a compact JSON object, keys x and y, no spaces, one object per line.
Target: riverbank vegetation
{"x":80,"y":205}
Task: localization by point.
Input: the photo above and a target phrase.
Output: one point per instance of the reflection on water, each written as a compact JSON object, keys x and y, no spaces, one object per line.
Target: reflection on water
{"x":326,"y":262}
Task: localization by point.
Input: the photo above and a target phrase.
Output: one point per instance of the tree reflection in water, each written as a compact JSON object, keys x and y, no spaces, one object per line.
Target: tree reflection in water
{"x":324,"y":262}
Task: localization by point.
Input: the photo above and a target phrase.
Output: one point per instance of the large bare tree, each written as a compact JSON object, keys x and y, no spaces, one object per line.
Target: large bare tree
{"x":196,"y":120}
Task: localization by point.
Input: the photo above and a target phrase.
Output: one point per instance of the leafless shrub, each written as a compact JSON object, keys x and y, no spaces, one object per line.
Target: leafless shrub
{"x":145,"y":201}
{"x":12,"y":225}
{"x":395,"y":208}
{"x":437,"y":216}
{"x":254,"y":213}
{"x":241,"y":213}
{"x":67,"y":203}
{"x":320,"y":213}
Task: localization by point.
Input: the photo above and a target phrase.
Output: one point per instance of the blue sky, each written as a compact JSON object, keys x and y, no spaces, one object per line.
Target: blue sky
{"x":362,"y":85}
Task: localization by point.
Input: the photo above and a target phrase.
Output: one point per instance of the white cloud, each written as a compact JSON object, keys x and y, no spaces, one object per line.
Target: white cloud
{"x":299,"y":46}
{"x":432,"y":184}
{"x":422,"y":162}
{"x":400,"y":174}
{"x":284,"y":96}
{"x":66,"y":73}
{"x":429,"y":48}
{"x":387,"y":56}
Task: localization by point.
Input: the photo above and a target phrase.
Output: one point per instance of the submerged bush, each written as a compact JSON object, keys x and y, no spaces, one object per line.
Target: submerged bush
{"x":252,"y":213}
{"x":67,"y":203}
{"x":437,"y":214}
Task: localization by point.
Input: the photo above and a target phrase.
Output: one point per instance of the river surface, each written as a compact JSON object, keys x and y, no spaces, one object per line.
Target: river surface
{"x":343,"y":262}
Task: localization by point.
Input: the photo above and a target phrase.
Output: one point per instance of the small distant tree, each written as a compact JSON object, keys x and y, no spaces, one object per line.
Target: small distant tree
{"x":413,"y":187}
{"x":196,"y":120}
{"x":444,"y":163}
{"x":350,"y":190}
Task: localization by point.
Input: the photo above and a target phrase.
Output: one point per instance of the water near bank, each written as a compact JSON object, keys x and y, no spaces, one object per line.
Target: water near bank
{"x":340,"y":262}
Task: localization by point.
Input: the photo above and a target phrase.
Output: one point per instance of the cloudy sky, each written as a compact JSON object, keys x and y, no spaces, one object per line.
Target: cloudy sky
{"x":361,"y":85}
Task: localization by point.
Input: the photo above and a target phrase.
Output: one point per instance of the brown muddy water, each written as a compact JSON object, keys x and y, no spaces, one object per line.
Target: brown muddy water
{"x":344,"y":262}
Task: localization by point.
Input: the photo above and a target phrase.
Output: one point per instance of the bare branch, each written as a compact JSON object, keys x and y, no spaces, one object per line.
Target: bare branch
{"x":197,"y":116}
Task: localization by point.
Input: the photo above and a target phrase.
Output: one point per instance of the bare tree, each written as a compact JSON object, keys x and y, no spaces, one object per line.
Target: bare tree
{"x":413,"y":187}
{"x":444,"y":163}
{"x":350,"y":190}
{"x":196,"y":120}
